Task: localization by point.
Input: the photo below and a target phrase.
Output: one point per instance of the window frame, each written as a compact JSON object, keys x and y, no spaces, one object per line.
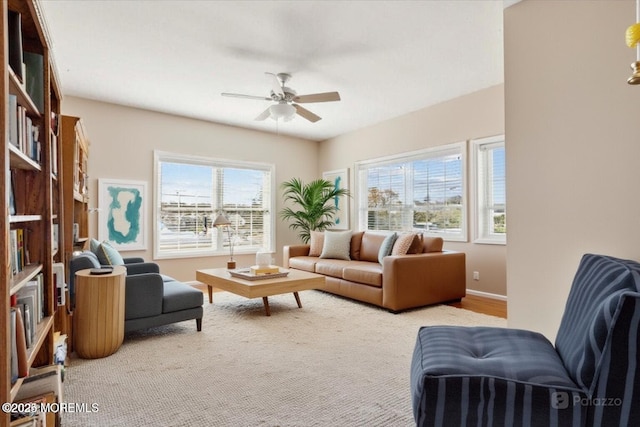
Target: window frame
{"x":163,"y":156}
{"x":482,"y":214}
{"x":459,"y":148}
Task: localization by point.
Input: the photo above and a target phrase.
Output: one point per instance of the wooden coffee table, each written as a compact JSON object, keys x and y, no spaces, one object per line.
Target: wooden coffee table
{"x":295,"y":281}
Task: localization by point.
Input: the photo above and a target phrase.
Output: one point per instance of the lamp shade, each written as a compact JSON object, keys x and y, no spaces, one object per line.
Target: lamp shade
{"x":282,"y":111}
{"x":221,"y":220}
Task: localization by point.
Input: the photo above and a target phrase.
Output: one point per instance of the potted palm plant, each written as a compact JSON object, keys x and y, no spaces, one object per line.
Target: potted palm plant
{"x":314,"y":208}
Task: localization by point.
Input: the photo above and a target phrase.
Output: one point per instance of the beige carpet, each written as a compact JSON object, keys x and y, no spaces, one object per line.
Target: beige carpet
{"x":335,"y":362}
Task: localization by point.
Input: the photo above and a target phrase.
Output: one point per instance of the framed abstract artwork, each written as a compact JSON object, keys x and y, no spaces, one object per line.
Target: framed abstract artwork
{"x":122,"y":213}
{"x":340,"y":179}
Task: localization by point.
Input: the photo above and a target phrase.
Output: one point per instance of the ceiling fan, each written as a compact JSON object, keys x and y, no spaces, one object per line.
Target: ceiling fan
{"x":287,"y":100}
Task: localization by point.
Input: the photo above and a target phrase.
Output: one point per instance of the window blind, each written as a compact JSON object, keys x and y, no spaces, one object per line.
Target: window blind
{"x":192,"y":191}
{"x":421,"y":191}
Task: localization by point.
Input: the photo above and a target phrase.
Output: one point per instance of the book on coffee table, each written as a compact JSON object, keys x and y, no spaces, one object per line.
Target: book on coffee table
{"x":247,"y":274}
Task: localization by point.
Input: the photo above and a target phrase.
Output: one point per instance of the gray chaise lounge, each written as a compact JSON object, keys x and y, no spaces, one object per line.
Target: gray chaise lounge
{"x":151,"y":299}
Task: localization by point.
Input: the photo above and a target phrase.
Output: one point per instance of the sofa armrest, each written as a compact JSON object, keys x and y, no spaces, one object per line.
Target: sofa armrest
{"x":143,"y":296}
{"x":416,"y":280}
{"x":141,"y":268}
{"x":132,"y":260}
{"x":294,"y":251}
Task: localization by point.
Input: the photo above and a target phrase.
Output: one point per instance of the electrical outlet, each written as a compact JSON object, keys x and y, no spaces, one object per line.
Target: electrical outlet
{"x":476,"y":275}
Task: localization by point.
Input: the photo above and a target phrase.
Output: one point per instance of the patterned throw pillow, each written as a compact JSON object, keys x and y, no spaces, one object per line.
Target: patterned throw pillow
{"x":387,"y":246}
{"x":316,"y":243}
{"x":108,"y":255}
{"x":337,"y":245}
{"x":402,"y":244}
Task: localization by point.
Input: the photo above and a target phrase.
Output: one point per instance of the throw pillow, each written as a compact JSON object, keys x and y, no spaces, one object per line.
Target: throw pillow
{"x":402,"y":244}
{"x":94,"y":245}
{"x":336,"y":245}
{"x":316,"y":243}
{"x":386,"y":246}
{"x":108,"y":255}
{"x":416,"y":245}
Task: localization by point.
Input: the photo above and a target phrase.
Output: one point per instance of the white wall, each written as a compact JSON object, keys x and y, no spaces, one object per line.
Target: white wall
{"x":573,"y":149}
{"x":122,"y":143}
{"x":468,"y":117}
{"x":123,"y":140}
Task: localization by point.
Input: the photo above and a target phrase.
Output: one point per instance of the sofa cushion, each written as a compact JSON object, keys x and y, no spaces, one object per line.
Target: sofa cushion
{"x":466,"y":373}
{"x":316,"y":242}
{"x":331,"y":267}
{"x":367,"y":273}
{"x":403,"y":243}
{"x":178,"y":296}
{"x":305,"y":263}
{"x":387,"y":246}
{"x":108,"y":255}
{"x":370,"y":246}
{"x":432,"y":244}
{"x":513,"y":354}
{"x":337,"y":245}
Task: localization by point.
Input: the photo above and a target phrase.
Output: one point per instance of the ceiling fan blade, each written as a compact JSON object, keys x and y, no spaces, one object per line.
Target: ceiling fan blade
{"x":318,"y":97}
{"x":307,"y":114}
{"x":239,"y":95}
{"x":275,"y":85}
{"x":264,"y":115}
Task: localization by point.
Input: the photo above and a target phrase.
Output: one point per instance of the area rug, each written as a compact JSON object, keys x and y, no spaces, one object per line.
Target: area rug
{"x":333,"y":362}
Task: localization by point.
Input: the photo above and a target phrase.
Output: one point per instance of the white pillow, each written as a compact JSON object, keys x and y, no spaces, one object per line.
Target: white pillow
{"x":337,"y":245}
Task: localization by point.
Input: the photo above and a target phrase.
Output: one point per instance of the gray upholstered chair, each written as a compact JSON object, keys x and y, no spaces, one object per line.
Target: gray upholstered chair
{"x":151,"y":299}
{"x":484,"y":376}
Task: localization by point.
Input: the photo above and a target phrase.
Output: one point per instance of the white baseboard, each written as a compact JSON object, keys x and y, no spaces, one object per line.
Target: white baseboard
{"x":487,"y":295}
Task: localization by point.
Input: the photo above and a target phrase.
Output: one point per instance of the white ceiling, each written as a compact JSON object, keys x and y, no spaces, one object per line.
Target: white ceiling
{"x":385,"y":58}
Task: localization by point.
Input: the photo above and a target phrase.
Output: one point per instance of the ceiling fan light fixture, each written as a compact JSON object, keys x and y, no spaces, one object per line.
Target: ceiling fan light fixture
{"x":282,"y":111}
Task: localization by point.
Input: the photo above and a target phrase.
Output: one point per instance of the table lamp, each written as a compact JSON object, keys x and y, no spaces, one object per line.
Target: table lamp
{"x":221,"y":222}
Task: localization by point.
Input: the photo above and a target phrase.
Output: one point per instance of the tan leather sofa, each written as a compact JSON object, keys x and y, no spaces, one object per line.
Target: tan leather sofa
{"x":401,"y":282}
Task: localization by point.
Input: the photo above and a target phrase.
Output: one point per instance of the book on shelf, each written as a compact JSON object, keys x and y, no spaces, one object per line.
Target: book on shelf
{"x":42,"y":385}
{"x":13,"y":120}
{"x":54,"y":154}
{"x":24,"y":133}
{"x":60,"y":350}
{"x":44,"y":419}
{"x":15,"y":43}
{"x":59,"y":280}
{"x":26,"y":421}
{"x":54,"y":237}
{"x":34,"y":77}
{"x":12,"y":197}
{"x":27,"y":301}
{"x":18,"y":250}
{"x":14,"y":349}
{"x":42,"y":380}
{"x":21,"y":344}
{"x":32,"y":296}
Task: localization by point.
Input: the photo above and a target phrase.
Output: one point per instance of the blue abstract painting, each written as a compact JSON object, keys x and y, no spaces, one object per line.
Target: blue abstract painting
{"x":340,"y":179}
{"x":122,"y":214}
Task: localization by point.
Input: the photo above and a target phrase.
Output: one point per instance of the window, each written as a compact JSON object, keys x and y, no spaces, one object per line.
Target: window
{"x":192,"y":191}
{"x":421,"y":191}
{"x":491,"y":212}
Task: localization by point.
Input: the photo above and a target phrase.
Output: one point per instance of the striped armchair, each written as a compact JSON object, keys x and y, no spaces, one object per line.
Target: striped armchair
{"x":484,"y":376}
